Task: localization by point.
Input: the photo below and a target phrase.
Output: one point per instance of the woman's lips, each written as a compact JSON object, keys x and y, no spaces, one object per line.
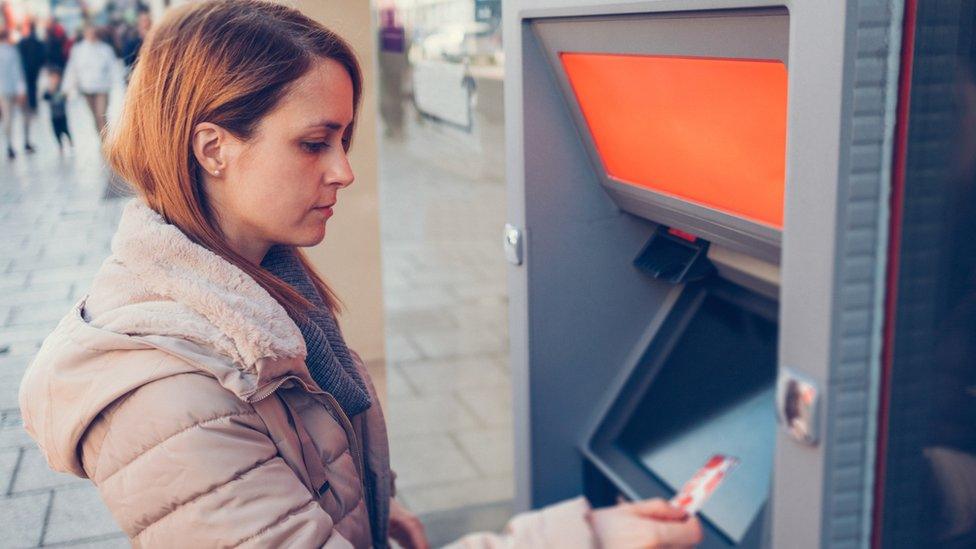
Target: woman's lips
{"x":324,"y":210}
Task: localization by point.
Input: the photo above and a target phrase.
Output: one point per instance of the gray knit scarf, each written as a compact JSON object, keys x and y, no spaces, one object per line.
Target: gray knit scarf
{"x":329,"y":361}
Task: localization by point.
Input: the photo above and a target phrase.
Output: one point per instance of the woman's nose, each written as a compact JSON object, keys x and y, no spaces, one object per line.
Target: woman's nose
{"x":340,"y":171}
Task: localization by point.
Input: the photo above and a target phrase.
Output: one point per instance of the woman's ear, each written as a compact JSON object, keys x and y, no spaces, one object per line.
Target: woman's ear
{"x":208,"y":141}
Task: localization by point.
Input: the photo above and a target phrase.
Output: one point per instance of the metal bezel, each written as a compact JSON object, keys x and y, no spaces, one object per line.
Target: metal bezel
{"x":758,"y":33}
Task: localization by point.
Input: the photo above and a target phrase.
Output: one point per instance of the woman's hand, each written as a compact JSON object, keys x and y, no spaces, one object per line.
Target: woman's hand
{"x":649,"y":524}
{"x":405,"y":528}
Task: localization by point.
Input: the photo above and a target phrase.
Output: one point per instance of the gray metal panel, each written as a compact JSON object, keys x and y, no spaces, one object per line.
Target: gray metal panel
{"x":747,"y":34}
{"x":862,"y":262}
{"x":585,"y":304}
{"x":517,"y":279}
{"x":834,"y":259}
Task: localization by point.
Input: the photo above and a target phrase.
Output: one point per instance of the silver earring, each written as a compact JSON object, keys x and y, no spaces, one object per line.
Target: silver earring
{"x":216,"y":172}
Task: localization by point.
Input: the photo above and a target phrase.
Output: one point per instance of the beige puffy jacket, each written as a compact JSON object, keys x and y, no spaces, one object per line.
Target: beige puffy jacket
{"x":178,"y":386}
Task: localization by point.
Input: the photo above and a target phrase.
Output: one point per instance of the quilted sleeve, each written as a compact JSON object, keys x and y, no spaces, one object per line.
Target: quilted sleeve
{"x":561,"y":525}
{"x":182,"y":462}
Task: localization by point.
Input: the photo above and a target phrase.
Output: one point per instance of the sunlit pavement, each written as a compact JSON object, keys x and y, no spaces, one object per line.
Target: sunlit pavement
{"x":449,"y":404}
{"x":57,"y":217}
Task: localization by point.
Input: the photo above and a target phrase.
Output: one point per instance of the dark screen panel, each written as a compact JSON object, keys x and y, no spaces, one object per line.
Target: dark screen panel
{"x":928,"y":447}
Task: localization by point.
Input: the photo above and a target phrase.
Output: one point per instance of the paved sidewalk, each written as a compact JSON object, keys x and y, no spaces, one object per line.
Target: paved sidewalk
{"x":444,"y":274}
{"x":55,"y":229}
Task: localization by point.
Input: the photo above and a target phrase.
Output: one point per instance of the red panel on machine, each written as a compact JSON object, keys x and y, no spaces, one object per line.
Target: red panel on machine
{"x":710,"y":131}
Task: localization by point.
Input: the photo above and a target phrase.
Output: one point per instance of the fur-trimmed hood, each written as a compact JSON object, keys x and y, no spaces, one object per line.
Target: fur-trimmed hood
{"x":158,"y":281}
{"x":158,"y":291}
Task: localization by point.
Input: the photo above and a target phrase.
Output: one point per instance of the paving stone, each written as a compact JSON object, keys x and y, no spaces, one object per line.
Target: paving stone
{"x":428,"y":414}
{"x":394,"y":281}
{"x":433,"y":376}
{"x":399,"y":347}
{"x":425,"y":297}
{"x":9,"y":387}
{"x":14,"y":364}
{"x":13,"y":282}
{"x":41,"y":293}
{"x":14,"y":436}
{"x":46,"y":315}
{"x":492,"y":406}
{"x":23,"y":519}
{"x":24,"y":339}
{"x":428,"y":459}
{"x":435,"y":497}
{"x":66,"y":261}
{"x":10,"y":418}
{"x":445,"y":527}
{"x":20,"y":347}
{"x":64,"y":276}
{"x":34,"y":474}
{"x":455,"y":343}
{"x":492,"y":450}
{"x":77,"y":514}
{"x":119,"y":541}
{"x":8,"y":466}
{"x":410,"y":320}
{"x":397,"y":384}
{"x":475,"y":283}
{"x":484,"y":311}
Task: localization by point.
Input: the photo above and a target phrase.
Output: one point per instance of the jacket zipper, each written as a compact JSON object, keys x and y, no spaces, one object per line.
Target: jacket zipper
{"x":357,"y":454}
{"x":269,"y":390}
{"x":359,"y":458}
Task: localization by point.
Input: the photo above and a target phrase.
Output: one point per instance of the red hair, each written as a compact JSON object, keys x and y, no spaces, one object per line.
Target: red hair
{"x":227,"y":62}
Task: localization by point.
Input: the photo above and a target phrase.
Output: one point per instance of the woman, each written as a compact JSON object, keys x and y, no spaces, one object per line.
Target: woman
{"x":92,"y":71}
{"x":32,"y":55}
{"x":203,"y":384}
{"x":13,"y":87}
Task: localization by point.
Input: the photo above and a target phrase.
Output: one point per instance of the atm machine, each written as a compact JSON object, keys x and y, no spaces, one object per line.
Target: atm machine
{"x":725,"y":218}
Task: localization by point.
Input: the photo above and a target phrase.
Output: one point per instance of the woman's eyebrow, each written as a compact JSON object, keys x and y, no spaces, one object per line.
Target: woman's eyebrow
{"x":327,"y":124}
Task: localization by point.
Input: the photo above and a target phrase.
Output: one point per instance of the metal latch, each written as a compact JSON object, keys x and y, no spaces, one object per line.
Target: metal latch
{"x":513,"y":244}
{"x":798,"y":406}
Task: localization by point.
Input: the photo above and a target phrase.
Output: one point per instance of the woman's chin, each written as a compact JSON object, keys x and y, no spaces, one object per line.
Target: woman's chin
{"x":305,"y":238}
{"x":315,"y":236}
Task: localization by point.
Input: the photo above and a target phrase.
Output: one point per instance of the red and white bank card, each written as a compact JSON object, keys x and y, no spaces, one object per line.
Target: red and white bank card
{"x":700,"y":487}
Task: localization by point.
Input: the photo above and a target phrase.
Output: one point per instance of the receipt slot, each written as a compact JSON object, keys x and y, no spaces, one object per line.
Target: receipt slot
{"x":702,"y":190}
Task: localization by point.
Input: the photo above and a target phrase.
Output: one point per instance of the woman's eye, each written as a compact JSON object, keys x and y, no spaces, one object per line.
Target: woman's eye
{"x":314,"y":146}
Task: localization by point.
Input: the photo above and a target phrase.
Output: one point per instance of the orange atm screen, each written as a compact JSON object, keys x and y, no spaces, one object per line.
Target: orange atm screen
{"x":710,"y":131}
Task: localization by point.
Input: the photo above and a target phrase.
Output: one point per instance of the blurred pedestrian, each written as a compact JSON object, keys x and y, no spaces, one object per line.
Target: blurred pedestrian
{"x":58,"y":102}
{"x":56,"y":45}
{"x":91,"y":72}
{"x":32,"y":56}
{"x":13,"y":87}
{"x":132,"y":41}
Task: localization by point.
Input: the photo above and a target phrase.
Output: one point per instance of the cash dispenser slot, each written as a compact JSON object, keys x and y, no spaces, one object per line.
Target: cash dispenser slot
{"x":701,"y":382}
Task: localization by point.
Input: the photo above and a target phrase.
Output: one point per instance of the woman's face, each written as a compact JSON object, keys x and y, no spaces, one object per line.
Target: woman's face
{"x":281,"y":186}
